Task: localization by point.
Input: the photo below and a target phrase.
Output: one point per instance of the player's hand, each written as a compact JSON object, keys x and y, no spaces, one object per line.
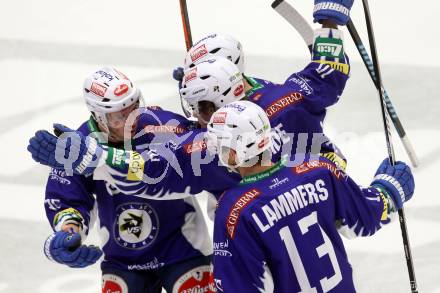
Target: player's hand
{"x":397,"y":181}
{"x":178,"y":75}
{"x":72,"y":151}
{"x":337,"y":11}
{"x":65,"y":248}
{"x":72,"y":228}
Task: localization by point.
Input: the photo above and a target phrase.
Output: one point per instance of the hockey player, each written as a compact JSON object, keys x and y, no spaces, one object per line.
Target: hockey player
{"x":278,"y":230}
{"x":306,"y":93}
{"x":147,"y":244}
{"x":296,"y":106}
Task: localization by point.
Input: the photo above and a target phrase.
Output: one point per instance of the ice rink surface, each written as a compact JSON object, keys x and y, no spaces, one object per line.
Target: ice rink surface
{"x":48,"y":47}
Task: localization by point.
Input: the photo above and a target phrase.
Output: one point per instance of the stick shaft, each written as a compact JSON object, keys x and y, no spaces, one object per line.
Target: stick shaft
{"x":186,"y":25}
{"x":188,"y":41}
{"x":402,"y":220}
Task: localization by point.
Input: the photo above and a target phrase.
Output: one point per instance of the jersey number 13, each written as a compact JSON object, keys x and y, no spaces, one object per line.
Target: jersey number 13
{"x":326,"y":248}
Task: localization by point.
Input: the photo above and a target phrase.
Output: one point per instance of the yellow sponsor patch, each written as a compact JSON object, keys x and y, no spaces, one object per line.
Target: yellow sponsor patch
{"x":337,"y":160}
{"x":344,"y":68}
{"x":135,"y":167}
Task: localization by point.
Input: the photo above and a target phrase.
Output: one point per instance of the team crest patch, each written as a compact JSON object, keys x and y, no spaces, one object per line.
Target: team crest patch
{"x":136,"y":225}
{"x":195,"y":280}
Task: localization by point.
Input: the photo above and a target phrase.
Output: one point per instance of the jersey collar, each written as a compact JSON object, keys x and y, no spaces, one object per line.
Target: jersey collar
{"x":91,"y":124}
{"x":96,"y":132}
{"x":263,"y":175}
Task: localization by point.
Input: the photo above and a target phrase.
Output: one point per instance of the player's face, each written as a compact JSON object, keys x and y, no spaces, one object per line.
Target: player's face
{"x":232,"y":158}
{"x":116,"y":123}
{"x":205,"y":111}
{"x":228,"y":156}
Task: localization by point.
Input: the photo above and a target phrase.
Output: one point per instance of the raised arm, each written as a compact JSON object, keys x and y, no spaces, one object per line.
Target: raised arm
{"x":323,"y":80}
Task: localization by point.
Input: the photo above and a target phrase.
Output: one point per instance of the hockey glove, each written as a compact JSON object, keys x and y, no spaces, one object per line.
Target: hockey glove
{"x":396,"y":181}
{"x":337,"y":11}
{"x":65,"y":248}
{"x":178,"y":75}
{"x":72,"y":151}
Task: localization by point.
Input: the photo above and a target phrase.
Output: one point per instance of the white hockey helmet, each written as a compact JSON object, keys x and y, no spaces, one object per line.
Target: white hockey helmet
{"x":217,"y":80}
{"x":242,"y":126}
{"x":107,"y":91}
{"x":215,"y":45}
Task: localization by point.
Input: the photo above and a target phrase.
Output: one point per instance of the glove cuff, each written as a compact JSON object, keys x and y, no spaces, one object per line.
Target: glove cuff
{"x":400,"y":196}
{"x":47,"y":247}
{"x":331,"y":8}
{"x":69,"y":216}
{"x":390,"y":203}
{"x":91,"y":158}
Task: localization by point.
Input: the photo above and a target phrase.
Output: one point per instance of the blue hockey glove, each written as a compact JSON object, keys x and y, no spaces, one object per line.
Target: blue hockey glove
{"x":337,"y":11}
{"x":178,"y":75}
{"x":65,"y":248}
{"x":397,"y":181}
{"x":72,"y":151}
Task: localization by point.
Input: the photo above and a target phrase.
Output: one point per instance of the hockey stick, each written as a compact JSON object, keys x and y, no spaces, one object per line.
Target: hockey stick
{"x":186,"y":26}
{"x":188,"y":41}
{"x":402,"y":220}
{"x":391,"y":110}
{"x":294,"y":18}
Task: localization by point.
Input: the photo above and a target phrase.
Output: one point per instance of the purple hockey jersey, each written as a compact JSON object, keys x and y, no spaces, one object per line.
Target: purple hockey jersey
{"x":278,"y":230}
{"x":138,"y":233}
{"x":296,"y":110}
